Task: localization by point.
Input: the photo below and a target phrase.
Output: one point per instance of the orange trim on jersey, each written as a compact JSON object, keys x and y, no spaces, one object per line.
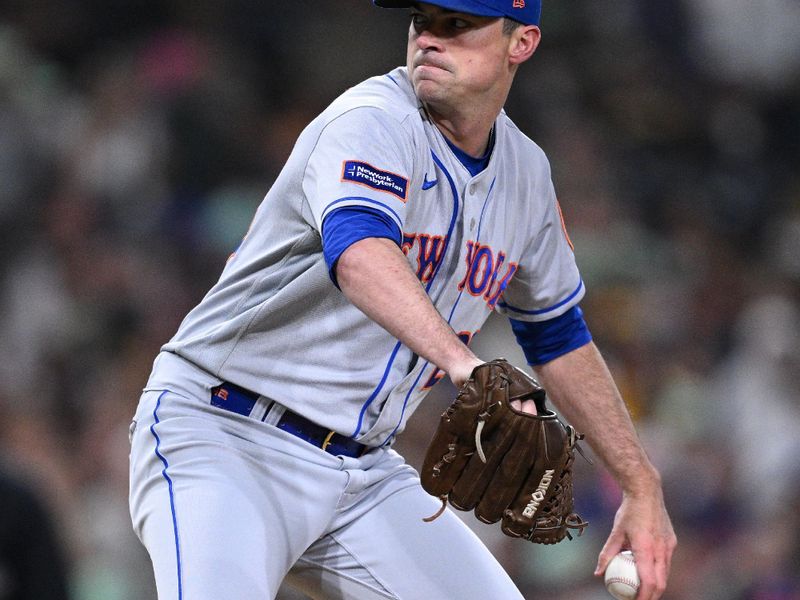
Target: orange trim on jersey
{"x":427,"y":264}
{"x":485,"y":273}
{"x":564,"y":226}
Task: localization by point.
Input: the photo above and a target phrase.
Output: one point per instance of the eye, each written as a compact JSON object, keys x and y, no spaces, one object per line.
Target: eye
{"x":418,"y":19}
{"x":457,"y":23}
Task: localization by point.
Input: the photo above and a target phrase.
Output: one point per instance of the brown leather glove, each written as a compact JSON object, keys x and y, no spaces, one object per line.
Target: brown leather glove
{"x":504,"y":464}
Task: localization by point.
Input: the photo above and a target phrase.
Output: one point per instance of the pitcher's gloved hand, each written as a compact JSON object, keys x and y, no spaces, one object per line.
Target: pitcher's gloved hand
{"x":507,"y":465}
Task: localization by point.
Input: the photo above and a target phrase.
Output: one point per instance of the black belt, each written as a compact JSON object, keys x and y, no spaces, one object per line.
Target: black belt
{"x":241,"y":401}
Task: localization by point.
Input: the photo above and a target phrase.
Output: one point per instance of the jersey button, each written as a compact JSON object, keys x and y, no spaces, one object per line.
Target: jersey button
{"x":472,"y":188}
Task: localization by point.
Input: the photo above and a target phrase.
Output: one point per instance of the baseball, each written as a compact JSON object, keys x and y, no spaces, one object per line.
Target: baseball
{"x":622,"y":580}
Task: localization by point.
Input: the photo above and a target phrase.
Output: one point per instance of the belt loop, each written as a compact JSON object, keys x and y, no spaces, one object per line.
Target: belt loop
{"x":261,"y":408}
{"x":273,"y":414}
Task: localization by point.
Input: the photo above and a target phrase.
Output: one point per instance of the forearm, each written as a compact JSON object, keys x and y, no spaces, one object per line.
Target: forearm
{"x":582,"y":388}
{"x":376,"y":277}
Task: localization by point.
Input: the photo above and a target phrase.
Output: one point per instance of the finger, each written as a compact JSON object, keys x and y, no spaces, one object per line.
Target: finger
{"x":664,"y":564}
{"x":672,"y":543}
{"x":661,"y":573}
{"x":645,"y":566}
{"x":524,"y":406}
{"x":611,"y":548}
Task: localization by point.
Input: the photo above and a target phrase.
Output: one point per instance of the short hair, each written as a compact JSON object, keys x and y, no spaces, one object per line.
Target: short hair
{"x":509,"y":25}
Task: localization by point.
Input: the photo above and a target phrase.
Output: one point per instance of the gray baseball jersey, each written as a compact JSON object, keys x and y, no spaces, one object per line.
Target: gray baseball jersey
{"x":276,"y":324}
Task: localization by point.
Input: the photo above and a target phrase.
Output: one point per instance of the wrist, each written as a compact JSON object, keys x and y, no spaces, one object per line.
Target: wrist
{"x":461,"y":368}
{"x":642,"y":482}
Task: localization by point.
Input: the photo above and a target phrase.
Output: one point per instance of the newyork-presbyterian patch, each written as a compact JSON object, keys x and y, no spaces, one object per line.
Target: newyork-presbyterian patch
{"x":383,"y":181}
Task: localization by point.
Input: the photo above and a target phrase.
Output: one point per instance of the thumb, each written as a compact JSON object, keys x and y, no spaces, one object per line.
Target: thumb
{"x":611,"y":548}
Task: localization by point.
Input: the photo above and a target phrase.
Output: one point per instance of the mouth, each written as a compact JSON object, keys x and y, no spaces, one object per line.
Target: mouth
{"x":428,"y":63}
{"x":429,"y":72}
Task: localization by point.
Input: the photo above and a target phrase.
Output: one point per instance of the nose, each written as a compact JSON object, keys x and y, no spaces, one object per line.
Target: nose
{"x":426,"y":39}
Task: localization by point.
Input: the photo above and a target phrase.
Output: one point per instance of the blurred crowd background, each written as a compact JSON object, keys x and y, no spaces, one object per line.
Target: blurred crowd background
{"x":138,"y":136}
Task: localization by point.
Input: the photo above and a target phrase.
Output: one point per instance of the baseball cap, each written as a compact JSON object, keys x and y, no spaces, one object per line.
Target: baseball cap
{"x":527,"y":12}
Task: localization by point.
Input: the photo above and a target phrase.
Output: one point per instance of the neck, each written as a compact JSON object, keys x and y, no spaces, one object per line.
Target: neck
{"x":470,"y":134}
{"x":468,"y":128}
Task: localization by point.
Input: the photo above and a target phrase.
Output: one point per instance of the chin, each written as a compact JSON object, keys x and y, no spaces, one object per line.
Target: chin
{"x":428,"y":90}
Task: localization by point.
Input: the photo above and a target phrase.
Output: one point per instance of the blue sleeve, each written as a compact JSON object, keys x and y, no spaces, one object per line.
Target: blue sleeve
{"x":345,"y":226}
{"x":542,"y":341}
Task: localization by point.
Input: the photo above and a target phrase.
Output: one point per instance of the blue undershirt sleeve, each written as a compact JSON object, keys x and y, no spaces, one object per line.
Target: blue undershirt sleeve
{"x":542,"y":341}
{"x":345,"y":226}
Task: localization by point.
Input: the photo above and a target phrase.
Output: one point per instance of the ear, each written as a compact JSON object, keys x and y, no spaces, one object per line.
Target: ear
{"x":523,"y":43}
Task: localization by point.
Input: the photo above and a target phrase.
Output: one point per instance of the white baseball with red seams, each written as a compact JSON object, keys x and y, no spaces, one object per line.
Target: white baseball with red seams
{"x":621,"y":578}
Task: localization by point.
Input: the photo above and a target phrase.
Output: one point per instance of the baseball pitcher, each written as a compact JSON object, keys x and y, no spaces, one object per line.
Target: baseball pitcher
{"x":408,"y":211}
